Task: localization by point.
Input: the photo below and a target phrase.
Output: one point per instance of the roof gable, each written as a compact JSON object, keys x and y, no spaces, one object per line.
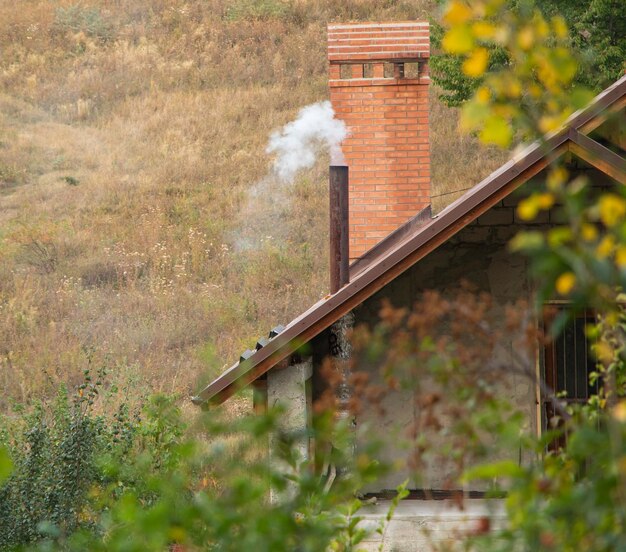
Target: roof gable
{"x":417,"y":238}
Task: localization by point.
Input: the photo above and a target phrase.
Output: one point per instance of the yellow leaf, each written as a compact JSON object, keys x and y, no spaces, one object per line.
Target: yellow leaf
{"x":458,"y":40}
{"x":565,"y":283}
{"x":548,"y":123}
{"x":484,"y":30}
{"x":547,"y":74}
{"x":527,"y":209}
{"x":545,"y":201}
{"x":540,"y":26}
{"x":552,"y":105}
{"x":514,"y":89}
{"x":502,"y":35}
{"x":534,"y":90}
{"x":527,"y":241}
{"x":604,"y":352}
{"x":505,"y":111}
{"x":620,"y":256}
{"x":559,"y":236}
{"x":612,"y":209}
{"x":619,"y":411}
{"x":496,"y":131}
{"x":483,"y":95}
{"x":559,"y":26}
{"x":564,"y":64}
{"x":457,"y":13}
{"x":556,"y":178}
{"x":605,"y":247}
{"x":473,"y":114}
{"x":589,"y":232}
{"x":526,"y":38}
{"x":475,"y":65}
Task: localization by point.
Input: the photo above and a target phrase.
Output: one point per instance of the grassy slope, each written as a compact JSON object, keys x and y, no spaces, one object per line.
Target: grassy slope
{"x":132,"y":138}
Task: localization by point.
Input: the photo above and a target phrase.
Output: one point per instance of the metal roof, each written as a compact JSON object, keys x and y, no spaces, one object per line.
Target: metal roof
{"x":416,"y":239}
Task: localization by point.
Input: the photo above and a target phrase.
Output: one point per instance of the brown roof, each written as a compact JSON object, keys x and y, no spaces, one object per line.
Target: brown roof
{"x":417,"y":238}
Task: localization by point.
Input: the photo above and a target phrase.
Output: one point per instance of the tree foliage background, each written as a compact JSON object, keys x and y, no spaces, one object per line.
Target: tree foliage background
{"x":597,"y":31}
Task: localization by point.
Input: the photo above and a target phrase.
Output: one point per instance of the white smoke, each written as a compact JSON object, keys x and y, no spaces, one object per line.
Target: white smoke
{"x":296,"y":146}
{"x":299,"y":142}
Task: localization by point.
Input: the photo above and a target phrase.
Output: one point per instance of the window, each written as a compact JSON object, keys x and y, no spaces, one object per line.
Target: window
{"x":568,"y":362}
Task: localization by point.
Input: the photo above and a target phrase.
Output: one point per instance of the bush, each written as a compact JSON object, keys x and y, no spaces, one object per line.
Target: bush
{"x":53,"y":457}
{"x":79,"y":19}
{"x":88,"y":481}
{"x":62,"y":454}
{"x":256,"y":9}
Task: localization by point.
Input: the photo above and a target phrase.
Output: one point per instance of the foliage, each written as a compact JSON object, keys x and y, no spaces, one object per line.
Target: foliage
{"x":255,"y":9}
{"x":442,"y":353}
{"x":52,"y":472}
{"x":597,"y":28}
{"x":62,"y":453}
{"x":573,"y":500}
{"x":236,"y":515}
{"x":584,"y":259}
{"x":87,"y":481}
{"x":572,"y":497}
{"x":534,"y":92}
{"x":174,"y":276}
{"x":462,"y":416}
{"x":447,"y":69}
{"x":80,"y":19}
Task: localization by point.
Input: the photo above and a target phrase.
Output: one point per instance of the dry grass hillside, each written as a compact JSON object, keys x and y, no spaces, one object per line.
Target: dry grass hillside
{"x":136,"y":230}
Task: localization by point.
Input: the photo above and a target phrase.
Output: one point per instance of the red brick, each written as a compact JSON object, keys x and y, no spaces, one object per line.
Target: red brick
{"x":387,"y":149}
{"x":357,"y":71}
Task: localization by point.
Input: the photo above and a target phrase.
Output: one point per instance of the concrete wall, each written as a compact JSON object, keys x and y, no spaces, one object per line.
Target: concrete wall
{"x":478,"y":254}
{"x":420,"y":526}
{"x":289,"y":388}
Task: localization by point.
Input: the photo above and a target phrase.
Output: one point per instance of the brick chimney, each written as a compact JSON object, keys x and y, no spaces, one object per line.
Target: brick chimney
{"x":379,"y":87}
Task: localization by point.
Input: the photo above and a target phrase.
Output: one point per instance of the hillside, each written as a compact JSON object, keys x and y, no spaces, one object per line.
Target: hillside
{"x":137,"y":228}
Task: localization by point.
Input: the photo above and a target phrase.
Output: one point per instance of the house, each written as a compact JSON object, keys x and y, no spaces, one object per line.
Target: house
{"x":399,"y":248}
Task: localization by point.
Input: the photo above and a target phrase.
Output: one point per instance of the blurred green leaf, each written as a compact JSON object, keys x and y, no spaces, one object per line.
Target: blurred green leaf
{"x":6,"y":465}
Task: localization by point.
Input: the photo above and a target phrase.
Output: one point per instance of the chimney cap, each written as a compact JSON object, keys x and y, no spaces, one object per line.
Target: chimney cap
{"x":367,"y":42}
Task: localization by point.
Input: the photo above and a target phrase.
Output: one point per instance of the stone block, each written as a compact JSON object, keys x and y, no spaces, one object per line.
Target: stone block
{"x":474,"y":234}
{"x":497,"y":216}
{"x":512,"y":200}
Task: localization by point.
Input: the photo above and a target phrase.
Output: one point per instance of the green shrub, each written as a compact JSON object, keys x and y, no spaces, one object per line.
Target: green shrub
{"x":256,"y":9}
{"x":10,"y":176}
{"x":87,"y":20}
{"x":142,"y":481}
{"x":53,"y":465}
{"x":62,"y":452}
